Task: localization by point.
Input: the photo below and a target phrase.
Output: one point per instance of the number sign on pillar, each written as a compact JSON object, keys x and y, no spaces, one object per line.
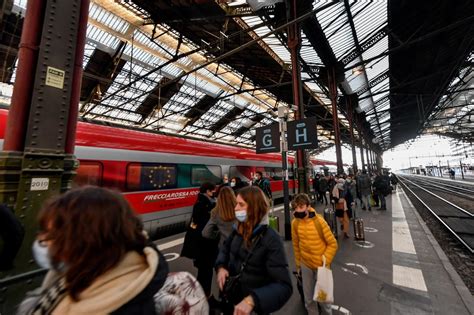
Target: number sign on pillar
{"x":268,"y":138}
{"x":302,"y":134}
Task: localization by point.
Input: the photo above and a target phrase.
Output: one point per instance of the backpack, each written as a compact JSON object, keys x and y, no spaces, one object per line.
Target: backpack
{"x":318,"y":226}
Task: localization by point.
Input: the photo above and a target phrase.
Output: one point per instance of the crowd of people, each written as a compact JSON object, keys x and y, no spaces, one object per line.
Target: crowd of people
{"x":350,"y":192}
{"x":101,"y":260}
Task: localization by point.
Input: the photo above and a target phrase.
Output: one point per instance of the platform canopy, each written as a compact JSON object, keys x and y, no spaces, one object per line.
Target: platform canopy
{"x":218,"y":69}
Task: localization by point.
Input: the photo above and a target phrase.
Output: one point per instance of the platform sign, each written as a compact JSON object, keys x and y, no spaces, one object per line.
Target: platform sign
{"x":302,"y":134}
{"x":268,"y":138}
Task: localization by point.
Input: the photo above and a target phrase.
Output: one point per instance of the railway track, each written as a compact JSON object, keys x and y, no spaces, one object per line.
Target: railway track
{"x":458,"y":221}
{"x":451,"y":188}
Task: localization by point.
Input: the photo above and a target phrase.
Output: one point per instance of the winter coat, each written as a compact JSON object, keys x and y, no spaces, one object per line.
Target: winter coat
{"x":364,"y":184}
{"x":382,"y":185}
{"x":127,"y":288}
{"x":323,"y":184}
{"x":264,"y":185}
{"x":308,"y":245}
{"x":266,"y":277}
{"x":217,"y":229}
{"x":207,"y":253}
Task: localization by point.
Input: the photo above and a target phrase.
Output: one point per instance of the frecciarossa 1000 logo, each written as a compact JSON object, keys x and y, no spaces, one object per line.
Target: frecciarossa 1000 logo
{"x":170,"y":196}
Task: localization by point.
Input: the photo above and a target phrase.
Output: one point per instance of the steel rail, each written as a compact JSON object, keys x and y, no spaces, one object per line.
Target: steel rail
{"x":444,"y":189}
{"x":436,"y":215}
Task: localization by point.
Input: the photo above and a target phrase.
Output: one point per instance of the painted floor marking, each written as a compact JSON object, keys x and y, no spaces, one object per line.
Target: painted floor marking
{"x":402,"y":242}
{"x":170,"y":244}
{"x":171,"y":256}
{"x":409,"y":278}
{"x":370,"y":229}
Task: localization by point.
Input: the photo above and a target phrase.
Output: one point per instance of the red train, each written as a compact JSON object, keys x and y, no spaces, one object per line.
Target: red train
{"x":160,"y":175}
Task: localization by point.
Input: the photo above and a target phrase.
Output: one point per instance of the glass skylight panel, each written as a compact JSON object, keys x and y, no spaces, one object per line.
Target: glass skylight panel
{"x":102,"y":37}
{"x":105,"y":17}
{"x":372,"y":18}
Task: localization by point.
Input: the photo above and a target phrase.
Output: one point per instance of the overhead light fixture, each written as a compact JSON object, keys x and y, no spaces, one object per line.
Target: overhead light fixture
{"x":357,"y":70}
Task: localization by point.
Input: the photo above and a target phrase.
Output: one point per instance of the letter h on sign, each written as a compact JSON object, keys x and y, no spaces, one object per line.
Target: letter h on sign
{"x":268,"y":138}
{"x":302,"y":134}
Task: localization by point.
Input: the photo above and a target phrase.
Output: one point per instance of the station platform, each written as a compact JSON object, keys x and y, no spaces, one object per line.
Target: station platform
{"x":399,"y":269}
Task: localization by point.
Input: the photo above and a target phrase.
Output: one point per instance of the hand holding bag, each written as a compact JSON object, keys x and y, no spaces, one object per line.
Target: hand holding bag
{"x":324,"y":289}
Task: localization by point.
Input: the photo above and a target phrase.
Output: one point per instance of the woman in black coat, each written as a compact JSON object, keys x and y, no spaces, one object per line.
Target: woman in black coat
{"x":204,"y":251}
{"x":265,"y":284}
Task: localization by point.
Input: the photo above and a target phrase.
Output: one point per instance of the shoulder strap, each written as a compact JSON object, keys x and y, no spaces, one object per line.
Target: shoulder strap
{"x":319,"y":228}
{"x":255,"y":243}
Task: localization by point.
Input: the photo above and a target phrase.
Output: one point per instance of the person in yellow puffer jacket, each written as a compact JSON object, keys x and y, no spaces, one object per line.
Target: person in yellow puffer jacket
{"x":312,"y":238}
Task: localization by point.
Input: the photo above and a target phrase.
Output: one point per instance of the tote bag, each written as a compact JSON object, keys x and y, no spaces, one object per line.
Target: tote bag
{"x":324,"y":289}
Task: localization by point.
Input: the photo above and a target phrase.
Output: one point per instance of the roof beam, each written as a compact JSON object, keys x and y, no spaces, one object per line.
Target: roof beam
{"x":227,"y":118}
{"x":199,"y":109}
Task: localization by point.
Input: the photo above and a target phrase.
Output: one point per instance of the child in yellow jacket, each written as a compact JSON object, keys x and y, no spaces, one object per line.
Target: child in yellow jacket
{"x":312,"y":239}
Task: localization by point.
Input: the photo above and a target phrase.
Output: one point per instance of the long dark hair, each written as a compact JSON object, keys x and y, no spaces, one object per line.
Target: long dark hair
{"x":257,"y":208}
{"x":90,"y":229}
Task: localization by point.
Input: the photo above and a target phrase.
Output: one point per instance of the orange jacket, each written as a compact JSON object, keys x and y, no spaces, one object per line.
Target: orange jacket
{"x":308,"y":245}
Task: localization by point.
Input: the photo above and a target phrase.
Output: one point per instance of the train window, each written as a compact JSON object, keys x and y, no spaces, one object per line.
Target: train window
{"x":205,"y":173}
{"x":88,"y":173}
{"x":277,"y":173}
{"x":151,"y":176}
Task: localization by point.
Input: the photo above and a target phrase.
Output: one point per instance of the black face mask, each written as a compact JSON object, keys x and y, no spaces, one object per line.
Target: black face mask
{"x":300,"y":215}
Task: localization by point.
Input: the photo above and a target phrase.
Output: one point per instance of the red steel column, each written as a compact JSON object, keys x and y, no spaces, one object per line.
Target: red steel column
{"x":351,"y":128}
{"x":77,"y":79}
{"x":27,"y":59}
{"x":294,"y":44}
{"x":335,"y":119}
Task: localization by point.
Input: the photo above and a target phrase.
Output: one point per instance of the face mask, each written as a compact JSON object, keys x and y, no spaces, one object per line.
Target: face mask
{"x":41,"y":255}
{"x":232,"y":184}
{"x":300,"y":215}
{"x":241,"y":215}
{"x":226,"y":181}
{"x":256,"y":177}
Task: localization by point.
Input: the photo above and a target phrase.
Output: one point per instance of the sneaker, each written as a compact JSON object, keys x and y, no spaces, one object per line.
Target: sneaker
{"x":370,"y":209}
{"x":363,"y":208}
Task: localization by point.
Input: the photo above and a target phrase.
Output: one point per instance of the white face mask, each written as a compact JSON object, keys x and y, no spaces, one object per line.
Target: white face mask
{"x":41,"y":255}
{"x":241,"y":215}
{"x":232,"y":184}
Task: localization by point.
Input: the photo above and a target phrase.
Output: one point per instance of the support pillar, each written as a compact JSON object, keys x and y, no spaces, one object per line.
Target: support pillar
{"x":369,"y":168}
{"x":361,"y":147}
{"x":350,"y":115}
{"x":37,"y":160}
{"x":294,"y":44}
{"x":335,"y":119}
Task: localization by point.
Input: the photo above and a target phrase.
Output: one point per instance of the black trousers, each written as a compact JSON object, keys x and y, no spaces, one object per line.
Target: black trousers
{"x":204,"y":277}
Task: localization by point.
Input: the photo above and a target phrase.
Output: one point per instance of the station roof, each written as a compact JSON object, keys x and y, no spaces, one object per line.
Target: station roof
{"x":216,"y":70}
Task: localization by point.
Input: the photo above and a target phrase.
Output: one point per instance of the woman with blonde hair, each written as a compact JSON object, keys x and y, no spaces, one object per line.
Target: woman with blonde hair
{"x":252,"y":269}
{"x":219,"y":226}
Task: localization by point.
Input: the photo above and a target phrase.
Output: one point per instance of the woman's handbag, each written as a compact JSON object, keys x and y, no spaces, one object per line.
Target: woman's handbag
{"x":232,"y":292}
{"x":324,"y":288}
{"x":191,"y":242}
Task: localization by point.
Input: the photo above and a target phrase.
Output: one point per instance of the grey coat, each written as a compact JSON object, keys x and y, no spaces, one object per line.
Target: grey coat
{"x":217,"y":229}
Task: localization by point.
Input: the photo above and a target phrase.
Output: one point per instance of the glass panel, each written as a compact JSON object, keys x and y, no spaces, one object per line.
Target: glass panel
{"x":205,"y":173}
{"x":88,"y":173}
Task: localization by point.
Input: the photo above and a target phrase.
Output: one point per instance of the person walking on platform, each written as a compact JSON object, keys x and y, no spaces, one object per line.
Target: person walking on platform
{"x":263,"y":183}
{"x":252,"y":269}
{"x":312,"y":239}
{"x":225,"y":183}
{"x":364,"y":185}
{"x":340,"y":204}
{"x":316,"y":187}
{"x":351,"y":195}
{"x":323,"y":189}
{"x":382,"y":189}
{"x":100,"y":260}
{"x":219,"y":226}
{"x":204,"y":250}
{"x":236,"y":183}
{"x":394,"y":181}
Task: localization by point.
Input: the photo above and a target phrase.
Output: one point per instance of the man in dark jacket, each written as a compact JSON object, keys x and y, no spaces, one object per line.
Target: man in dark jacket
{"x":322,"y":189}
{"x":382,"y":188}
{"x":263,"y":183}
{"x":364,"y":185}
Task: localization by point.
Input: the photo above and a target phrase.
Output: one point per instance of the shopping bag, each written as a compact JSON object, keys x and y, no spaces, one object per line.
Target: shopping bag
{"x":324,"y":289}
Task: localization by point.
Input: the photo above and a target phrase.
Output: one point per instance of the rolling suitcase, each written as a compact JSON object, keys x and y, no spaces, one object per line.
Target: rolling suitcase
{"x":359,"y":234}
{"x":330,"y":217}
{"x":273,"y":220}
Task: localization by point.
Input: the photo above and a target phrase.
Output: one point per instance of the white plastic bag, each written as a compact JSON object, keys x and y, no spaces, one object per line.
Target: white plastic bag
{"x":324,"y":289}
